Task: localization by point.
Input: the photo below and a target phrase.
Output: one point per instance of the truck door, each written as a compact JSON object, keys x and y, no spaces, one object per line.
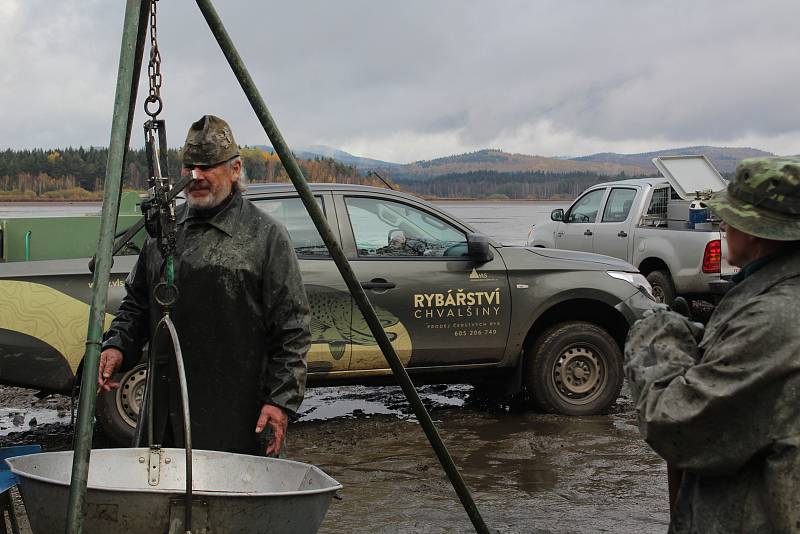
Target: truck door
{"x":576,"y":232}
{"x":437,"y":306}
{"x":611,"y":234}
{"x":328,"y":296}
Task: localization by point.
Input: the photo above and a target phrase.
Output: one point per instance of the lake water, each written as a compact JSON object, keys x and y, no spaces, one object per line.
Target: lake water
{"x":47,"y":209}
{"x":506,"y":221}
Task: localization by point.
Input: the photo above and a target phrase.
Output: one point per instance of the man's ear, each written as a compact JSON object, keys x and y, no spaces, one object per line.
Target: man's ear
{"x":237,"y":170}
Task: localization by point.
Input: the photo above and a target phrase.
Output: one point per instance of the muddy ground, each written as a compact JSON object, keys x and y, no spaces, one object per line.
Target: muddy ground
{"x":528,"y":472}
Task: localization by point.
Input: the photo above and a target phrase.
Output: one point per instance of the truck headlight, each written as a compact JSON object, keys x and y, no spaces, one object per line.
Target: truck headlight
{"x":637,"y":280}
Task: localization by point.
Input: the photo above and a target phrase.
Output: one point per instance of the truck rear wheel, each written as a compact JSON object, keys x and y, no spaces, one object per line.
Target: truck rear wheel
{"x":663,"y":288}
{"x":574,"y":368}
{"x":118,"y":410}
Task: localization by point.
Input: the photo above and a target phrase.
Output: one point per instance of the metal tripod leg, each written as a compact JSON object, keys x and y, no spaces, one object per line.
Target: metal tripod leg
{"x":126,"y":76}
{"x":318,"y":217}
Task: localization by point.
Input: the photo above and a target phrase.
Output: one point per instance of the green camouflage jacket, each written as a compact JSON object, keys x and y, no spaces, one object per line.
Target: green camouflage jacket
{"x":243,"y":321}
{"x":726,"y":409}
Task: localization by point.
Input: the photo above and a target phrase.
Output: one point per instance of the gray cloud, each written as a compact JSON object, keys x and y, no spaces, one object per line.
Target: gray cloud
{"x":417,"y":79}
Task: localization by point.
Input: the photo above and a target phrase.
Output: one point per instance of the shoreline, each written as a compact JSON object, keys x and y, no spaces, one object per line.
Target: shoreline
{"x":28,"y":202}
{"x":500,"y":200}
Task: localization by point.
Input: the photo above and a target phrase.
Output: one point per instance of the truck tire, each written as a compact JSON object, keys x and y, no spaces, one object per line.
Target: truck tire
{"x":574,"y":368}
{"x":118,"y":410}
{"x":663,"y":288}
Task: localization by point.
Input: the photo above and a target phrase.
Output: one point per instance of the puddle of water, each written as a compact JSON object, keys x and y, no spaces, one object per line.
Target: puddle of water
{"x":342,"y":408}
{"x":343,"y":402}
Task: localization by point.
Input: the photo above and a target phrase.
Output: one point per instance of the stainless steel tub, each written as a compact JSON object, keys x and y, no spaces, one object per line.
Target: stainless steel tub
{"x":135,"y":491}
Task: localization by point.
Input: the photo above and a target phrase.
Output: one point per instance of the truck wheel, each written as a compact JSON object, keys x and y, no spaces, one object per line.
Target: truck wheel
{"x":574,"y":368}
{"x":118,"y":410}
{"x":663,"y":289}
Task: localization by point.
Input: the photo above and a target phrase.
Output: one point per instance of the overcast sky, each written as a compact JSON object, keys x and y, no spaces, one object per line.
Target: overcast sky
{"x":410,"y":80}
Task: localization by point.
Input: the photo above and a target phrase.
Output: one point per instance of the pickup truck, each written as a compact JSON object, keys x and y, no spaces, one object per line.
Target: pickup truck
{"x":646,"y":223}
{"x":457,"y":306}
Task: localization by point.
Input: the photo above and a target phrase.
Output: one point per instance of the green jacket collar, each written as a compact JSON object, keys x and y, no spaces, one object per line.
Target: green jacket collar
{"x":767,"y":271}
{"x":752,"y":267}
{"x":224,"y":221}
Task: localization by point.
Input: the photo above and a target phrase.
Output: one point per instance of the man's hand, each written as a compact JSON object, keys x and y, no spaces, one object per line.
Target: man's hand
{"x":682,"y":307}
{"x":277,"y":419}
{"x":110,"y":361}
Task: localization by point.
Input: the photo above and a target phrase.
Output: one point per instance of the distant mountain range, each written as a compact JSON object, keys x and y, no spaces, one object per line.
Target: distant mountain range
{"x":503,"y":162}
{"x":602,"y":164}
{"x":340,"y":155}
{"x":723,"y":158}
{"x":322,"y":151}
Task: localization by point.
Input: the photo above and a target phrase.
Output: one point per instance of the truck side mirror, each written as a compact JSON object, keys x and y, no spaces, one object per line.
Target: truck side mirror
{"x":557,"y":215}
{"x":478,"y":248}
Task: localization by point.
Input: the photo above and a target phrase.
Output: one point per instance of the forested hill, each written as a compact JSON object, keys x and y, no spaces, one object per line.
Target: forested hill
{"x":504,"y":162}
{"x":78,"y":173}
{"x":497,"y":174}
{"x":69,"y":173}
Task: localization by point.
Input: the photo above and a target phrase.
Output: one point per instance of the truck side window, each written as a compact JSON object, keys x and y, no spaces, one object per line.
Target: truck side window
{"x":585,"y":209}
{"x":291,"y":212}
{"x":383,"y":228}
{"x":618,"y":205}
{"x":657,"y":210}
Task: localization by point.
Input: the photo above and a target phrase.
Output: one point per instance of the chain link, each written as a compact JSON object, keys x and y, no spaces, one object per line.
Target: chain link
{"x":153,"y":104}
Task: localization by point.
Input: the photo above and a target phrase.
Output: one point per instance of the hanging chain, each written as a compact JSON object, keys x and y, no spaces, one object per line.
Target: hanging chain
{"x":153,"y":104}
{"x":159,"y":209}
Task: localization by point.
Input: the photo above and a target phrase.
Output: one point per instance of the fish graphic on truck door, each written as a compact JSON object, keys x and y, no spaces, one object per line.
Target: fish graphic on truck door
{"x":338,"y":329}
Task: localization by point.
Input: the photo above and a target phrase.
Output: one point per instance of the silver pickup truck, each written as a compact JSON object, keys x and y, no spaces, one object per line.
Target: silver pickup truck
{"x":647,"y":223}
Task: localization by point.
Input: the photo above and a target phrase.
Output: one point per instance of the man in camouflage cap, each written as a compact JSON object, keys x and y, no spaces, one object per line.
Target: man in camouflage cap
{"x":242,"y":316}
{"x":723,"y":406}
{"x":209,"y":145}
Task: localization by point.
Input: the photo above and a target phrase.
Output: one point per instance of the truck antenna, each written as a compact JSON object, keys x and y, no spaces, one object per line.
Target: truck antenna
{"x":375,"y":173}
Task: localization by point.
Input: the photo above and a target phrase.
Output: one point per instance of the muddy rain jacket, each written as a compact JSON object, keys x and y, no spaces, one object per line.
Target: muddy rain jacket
{"x":726,"y":409}
{"x":243,"y":321}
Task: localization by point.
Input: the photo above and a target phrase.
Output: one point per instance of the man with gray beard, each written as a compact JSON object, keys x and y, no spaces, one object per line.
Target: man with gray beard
{"x":242,"y":314}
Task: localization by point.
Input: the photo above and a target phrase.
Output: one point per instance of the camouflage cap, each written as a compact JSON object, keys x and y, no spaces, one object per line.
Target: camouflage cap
{"x":763,"y":199}
{"x":209,"y":142}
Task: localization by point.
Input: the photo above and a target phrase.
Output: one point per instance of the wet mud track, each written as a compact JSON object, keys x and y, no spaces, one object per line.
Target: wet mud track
{"x":528,"y":472}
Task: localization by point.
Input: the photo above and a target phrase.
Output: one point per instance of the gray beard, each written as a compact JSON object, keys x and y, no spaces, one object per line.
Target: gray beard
{"x":210,"y":201}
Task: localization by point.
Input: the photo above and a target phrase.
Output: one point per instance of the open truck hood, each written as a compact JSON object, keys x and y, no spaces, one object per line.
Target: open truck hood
{"x":689,"y":174}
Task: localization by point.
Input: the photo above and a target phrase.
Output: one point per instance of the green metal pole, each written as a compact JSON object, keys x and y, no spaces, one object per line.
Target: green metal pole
{"x":76,"y":509}
{"x":299,"y":181}
{"x":28,"y":245}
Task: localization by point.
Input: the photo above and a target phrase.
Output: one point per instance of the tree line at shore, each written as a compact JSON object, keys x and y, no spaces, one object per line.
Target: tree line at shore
{"x":506,"y":185}
{"x":78,"y":174}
